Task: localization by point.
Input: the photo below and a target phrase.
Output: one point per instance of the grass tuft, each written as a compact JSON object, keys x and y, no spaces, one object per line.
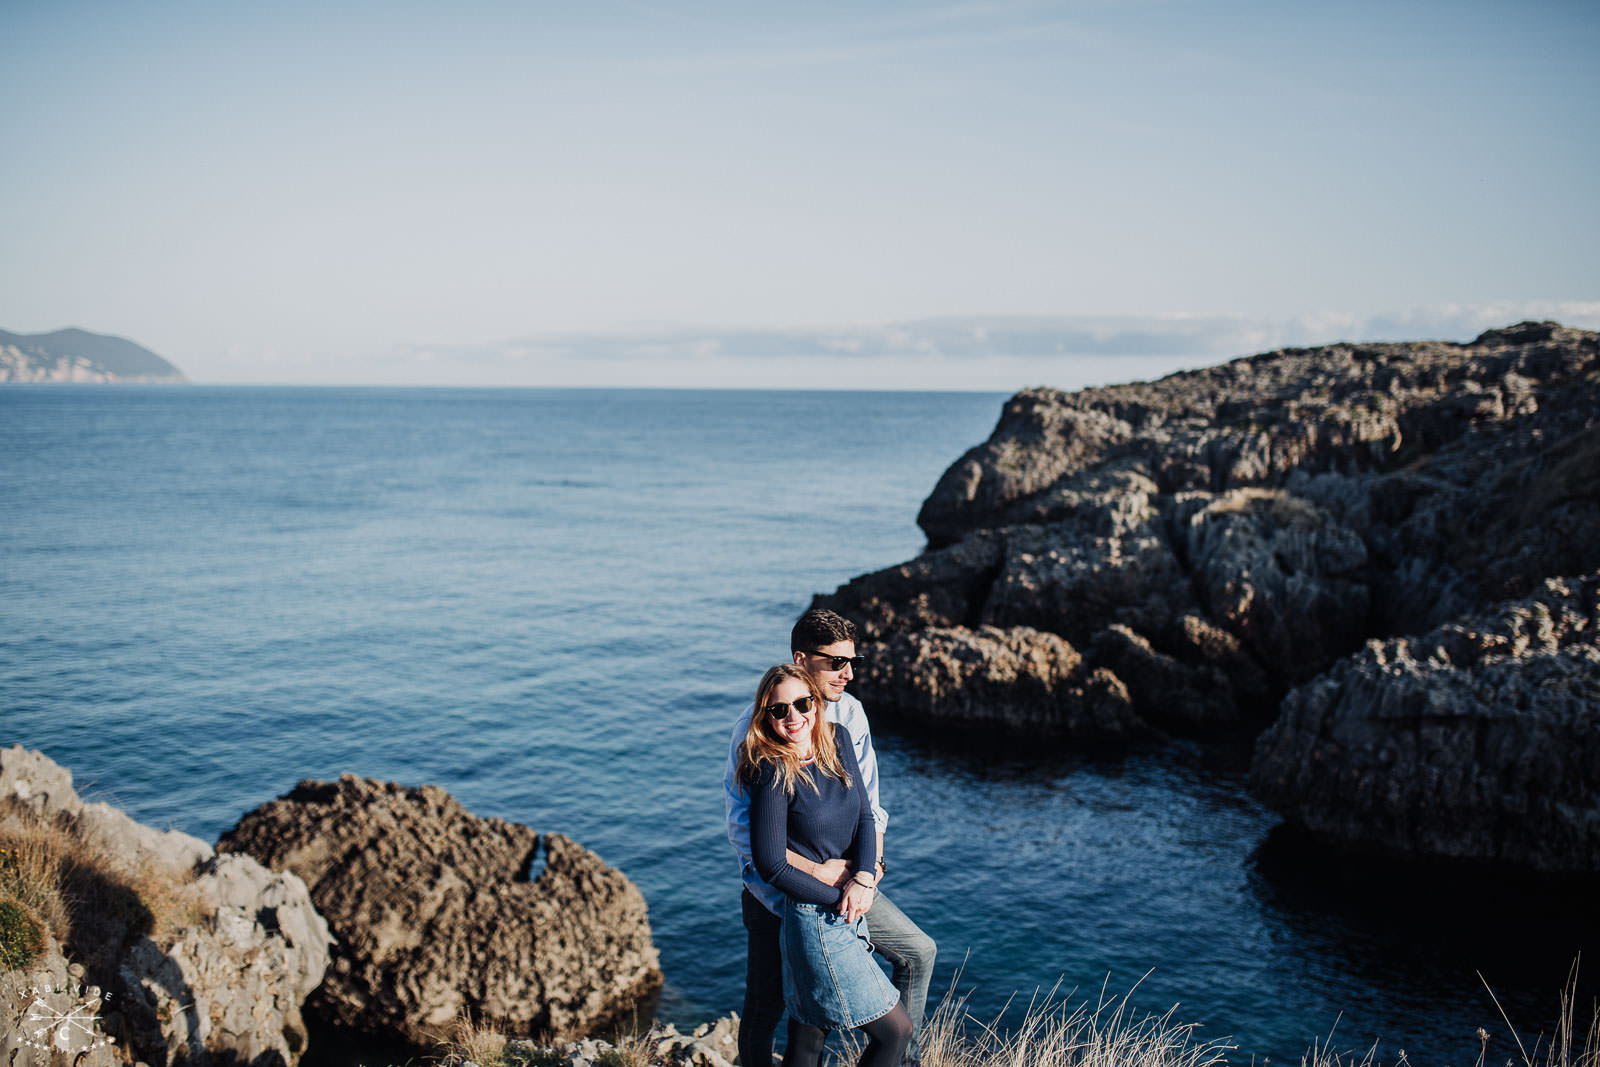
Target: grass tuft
{"x":1111,"y":1033}
{"x":1572,"y":1045}
{"x":473,"y":1042}
{"x":82,"y":896}
{"x":21,"y":936}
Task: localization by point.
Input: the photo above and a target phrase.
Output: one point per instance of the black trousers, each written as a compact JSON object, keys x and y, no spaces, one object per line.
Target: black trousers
{"x":763,"y":983}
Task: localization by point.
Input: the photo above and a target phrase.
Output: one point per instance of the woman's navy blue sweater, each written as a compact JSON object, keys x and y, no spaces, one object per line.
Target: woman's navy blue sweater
{"x":831,"y":822}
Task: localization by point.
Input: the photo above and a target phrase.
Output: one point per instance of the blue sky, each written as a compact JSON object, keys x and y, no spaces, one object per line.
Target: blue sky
{"x":605,"y":193}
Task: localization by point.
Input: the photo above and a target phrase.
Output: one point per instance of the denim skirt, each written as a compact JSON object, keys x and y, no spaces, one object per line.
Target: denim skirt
{"x":829,"y":977}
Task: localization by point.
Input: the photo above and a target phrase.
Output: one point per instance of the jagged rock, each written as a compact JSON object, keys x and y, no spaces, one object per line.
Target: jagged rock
{"x":49,"y":1015}
{"x":1207,"y":542}
{"x":1017,"y":678}
{"x":709,"y":1045}
{"x":938,"y":589}
{"x":270,"y":976}
{"x":435,"y":914}
{"x":1479,"y":740}
{"x":1279,"y":573}
{"x":1297,"y":502}
{"x":220,"y":974}
{"x":1043,"y":440}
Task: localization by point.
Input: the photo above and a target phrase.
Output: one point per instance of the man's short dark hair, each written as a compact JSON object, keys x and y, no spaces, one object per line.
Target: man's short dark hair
{"x":818,"y":628}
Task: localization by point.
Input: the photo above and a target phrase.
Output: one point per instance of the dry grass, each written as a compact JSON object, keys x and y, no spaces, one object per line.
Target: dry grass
{"x":1572,"y":1044}
{"x":630,"y":1050}
{"x":1107,"y":1033}
{"x":82,"y":895}
{"x":473,"y":1042}
{"x":1111,"y":1033}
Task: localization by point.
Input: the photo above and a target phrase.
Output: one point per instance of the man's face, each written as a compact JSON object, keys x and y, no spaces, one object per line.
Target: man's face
{"x":819,"y":662}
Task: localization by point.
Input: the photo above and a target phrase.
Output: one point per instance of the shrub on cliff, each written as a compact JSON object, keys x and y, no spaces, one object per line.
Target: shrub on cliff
{"x":21,"y":936}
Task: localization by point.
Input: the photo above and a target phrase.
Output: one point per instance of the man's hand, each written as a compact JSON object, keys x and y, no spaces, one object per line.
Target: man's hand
{"x":833,"y":872}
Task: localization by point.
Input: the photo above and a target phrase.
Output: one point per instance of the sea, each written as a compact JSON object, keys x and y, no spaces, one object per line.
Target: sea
{"x":554,"y":603}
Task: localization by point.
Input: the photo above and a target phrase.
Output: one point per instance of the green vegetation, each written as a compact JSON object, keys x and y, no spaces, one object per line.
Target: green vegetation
{"x":21,"y":936}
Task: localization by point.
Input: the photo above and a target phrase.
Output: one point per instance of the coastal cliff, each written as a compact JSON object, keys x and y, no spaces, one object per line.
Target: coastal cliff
{"x":80,"y":356}
{"x":1230,"y":548}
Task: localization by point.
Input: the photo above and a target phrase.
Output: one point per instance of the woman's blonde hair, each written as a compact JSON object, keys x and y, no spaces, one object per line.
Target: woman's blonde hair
{"x":762,"y":744}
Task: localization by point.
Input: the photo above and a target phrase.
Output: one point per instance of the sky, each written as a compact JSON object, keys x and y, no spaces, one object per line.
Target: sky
{"x":790,"y":195}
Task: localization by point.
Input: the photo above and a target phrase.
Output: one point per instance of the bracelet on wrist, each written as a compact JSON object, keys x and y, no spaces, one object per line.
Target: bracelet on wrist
{"x":865,"y":885}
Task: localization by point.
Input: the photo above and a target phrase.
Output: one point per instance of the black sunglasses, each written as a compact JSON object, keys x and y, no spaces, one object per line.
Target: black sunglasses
{"x":781,"y":711}
{"x":836,"y":663}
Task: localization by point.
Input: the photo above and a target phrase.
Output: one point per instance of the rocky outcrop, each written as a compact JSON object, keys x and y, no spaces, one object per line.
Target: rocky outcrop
{"x":1017,"y":678}
{"x":1478,"y":740}
{"x":1208,"y":541}
{"x":708,"y":1045}
{"x":438,"y":913}
{"x":663,"y":1045}
{"x":49,"y":1014}
{"x":195,"y":957}
{"x":1177,"y":556}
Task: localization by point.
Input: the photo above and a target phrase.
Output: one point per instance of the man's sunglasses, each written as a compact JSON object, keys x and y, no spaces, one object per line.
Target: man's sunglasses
{"x":801,"y":706}
{"x":836,"y":663}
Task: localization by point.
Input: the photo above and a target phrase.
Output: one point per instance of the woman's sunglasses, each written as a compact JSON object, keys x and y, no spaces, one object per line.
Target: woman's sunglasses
{"x":781,"y":711}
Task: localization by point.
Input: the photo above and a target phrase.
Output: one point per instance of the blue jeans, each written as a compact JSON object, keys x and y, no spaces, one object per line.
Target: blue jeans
{"x":910,"y":953}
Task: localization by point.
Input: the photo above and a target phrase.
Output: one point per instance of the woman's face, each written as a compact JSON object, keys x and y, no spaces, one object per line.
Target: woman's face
{"x":794,"y":727}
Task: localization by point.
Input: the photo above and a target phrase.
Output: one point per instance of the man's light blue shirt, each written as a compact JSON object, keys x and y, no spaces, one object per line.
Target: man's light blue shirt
{"x":847,"y":712}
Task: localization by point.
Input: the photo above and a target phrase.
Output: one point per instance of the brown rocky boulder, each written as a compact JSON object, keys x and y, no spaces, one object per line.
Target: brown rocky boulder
{"x":1479,"y":740}
{"x":435,"y":914}
{"x":1016,"y":679}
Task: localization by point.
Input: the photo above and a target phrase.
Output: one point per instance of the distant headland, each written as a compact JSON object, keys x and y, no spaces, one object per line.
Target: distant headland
{"x":74,"y":355}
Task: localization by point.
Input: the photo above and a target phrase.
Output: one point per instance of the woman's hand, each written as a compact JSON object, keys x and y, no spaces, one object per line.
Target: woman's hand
{"x":857,"y":900}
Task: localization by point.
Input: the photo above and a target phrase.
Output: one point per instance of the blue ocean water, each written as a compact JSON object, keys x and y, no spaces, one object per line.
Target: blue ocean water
{"x":554,"y":602}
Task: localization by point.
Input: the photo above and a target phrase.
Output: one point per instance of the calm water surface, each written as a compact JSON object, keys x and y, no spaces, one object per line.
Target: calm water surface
{"x":554,"y":602}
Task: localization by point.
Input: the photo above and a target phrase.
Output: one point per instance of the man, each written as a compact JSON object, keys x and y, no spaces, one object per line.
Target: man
{"x":824,"y":644}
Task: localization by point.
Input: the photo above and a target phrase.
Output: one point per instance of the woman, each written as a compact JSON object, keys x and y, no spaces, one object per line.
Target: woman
{"x":806,"y":795}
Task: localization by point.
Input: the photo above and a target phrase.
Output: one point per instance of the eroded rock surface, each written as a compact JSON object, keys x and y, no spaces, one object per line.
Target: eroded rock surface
{"x":1213,"y":539}
{"x":49,"y":1015}
{"x":197,"y":958}
{"x":1477,"y":740}
{"x":1176,"y":556}
{"x":435,"y":914}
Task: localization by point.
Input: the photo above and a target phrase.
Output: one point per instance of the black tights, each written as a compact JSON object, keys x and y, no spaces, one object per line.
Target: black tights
{"x":887,"y":1038}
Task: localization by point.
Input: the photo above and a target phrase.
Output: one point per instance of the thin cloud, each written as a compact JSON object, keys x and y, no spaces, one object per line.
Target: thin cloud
{"x":1014,"y":340}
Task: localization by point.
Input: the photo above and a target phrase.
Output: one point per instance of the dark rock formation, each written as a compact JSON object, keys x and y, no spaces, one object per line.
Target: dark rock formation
{"x":79,"y":356}
{"x":1016,"y":678}
{"x":1479,"y":740}
{"x":435,"y":915}
{"x":1178,"y":555}
{"x":1212,"y":539}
